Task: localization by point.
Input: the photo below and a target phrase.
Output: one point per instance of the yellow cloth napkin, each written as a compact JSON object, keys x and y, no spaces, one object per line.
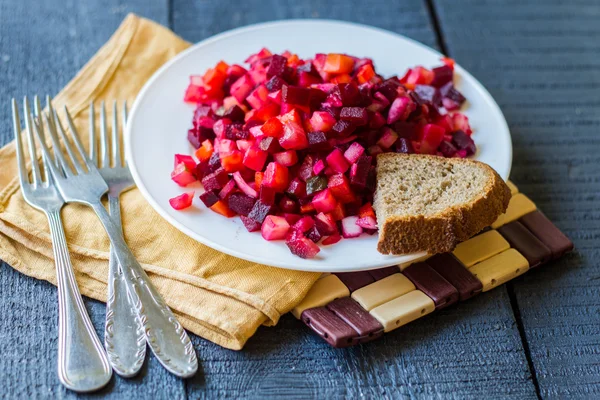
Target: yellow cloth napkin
{"x":219,"y":297}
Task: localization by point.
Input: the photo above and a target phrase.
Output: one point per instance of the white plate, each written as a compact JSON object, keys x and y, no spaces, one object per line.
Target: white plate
{"x":159,"y":121}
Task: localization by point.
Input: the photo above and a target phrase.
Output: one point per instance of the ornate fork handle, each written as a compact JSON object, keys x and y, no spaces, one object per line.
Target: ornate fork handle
{"x":123,"y":334}
{"x":82,"y":363}
{"x":165,"y":335}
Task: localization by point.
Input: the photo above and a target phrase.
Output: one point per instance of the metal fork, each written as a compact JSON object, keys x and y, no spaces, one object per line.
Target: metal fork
{"x":165,"y":335}
{"x":82,"y":362}
{"x":123,"y":334}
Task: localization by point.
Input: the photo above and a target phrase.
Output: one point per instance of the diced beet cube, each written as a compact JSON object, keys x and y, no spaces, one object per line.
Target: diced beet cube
{"x":452,"y":99}
{"x":371,"y":179}
{"x":220,"y":127}
{"x":235,"y":113}
{"x":288,"y":205}
{"x":228,"y":188}
{"x":318,"y":141}
{"x":374,"y":150}
{"x":267,"y":195}
{"x":305,"y":171}
{"x":274,"y":228}
{"x":338,"y":213}
{"x":460,"y":122}
{"x":295,"y":95}
{"x":464,"y":142}
{"x":260,"y":211}
{"x":255,"y":158}
{"x":301,"y":246}
{"x":306,"y":79}
{"x":353,"y":153}
{"x":276,"y":66}
{"x":432,"y":137}
{"x":389,"y":88}
{"x":324,"y":201}
{"x":349,"y":227}
{"x":356,"y":115}
{"x":352,"y":208}
{"x":276,"y":177}
{"x":403,"y":145}
{"x":187,"y":160}
{"x":441,"y":75}
{"x":314,"y":234}
{"x":325,"y":224}
{"x":199,"y":112}
{"x":269,"y":145}
{"x":250,"y":224}
{"x":428,"y":94}
{"x":343,"y":128}
{"x":274,"y":84}
{"x":340,"y":187}
{"x":240,"y":203}
{"x":317,"y":97}
{"x":360,"y":171}
{"x":447,"y":149}
{"x":349,"y":94}
{"x":241,"y":88}
{"x":209,"y":198}
{"x":259,"y":97}
{"x":304,"y":224}
{"x":388,"y":138}
{"x":215,"y":180}
{"x":377,"y":120}
{"x":291,"y":218}
{"x":319,"y":167}
{"x":193,"y":138}
{"x":296,"y":188}
{"x":337,"y":161}
{"x":400,"y":109}
{"x":182,"y":201}
{"x":286,"y":158}
{"x":294,"y":137}
{"x":367,"y":223}
{"x":333,"y":239}
{"x":322,"y":121}
{"x":201,"y":169}
{"x":214,"y":162}
{"x":405,"y":129}
{"x":315,"y":184}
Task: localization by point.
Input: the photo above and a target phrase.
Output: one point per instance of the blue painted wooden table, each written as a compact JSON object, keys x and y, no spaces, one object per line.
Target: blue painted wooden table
{"x":537,"y":336}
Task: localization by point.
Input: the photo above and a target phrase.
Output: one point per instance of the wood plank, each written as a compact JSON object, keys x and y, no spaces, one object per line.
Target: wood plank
{"x":42,"y":46}
{"x":469,"y":350}
{"x":540,"y":61}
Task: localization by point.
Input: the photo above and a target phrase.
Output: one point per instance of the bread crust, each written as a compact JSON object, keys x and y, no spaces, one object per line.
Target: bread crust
{"x":442,"y":231}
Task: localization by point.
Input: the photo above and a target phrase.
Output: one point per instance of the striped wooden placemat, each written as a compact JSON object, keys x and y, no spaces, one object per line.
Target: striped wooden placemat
{"x":356,"y":307}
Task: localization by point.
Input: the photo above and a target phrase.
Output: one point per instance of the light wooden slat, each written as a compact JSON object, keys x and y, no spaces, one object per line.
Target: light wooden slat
{"x":403,"y":309}
{"x":500,"y":269}
{"x":383,"y":291}
{"x":323,"y":291}
{"x":480,"y":247}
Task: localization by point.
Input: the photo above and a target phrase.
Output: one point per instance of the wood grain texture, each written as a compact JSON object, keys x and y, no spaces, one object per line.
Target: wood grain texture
{"x":42,"y":46}
{"x":470,"y":350}
{"x":540,"y":61}
{"x":467,"y":351}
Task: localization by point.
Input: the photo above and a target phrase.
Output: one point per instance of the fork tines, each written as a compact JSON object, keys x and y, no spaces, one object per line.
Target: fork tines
{"x":113,"y":141}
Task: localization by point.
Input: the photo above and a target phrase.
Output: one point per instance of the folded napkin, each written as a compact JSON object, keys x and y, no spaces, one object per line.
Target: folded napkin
{"x":219,"y":297}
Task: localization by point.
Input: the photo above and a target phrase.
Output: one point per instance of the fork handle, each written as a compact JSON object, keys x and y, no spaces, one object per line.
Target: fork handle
{"x":165,"y":335}
{"x":82,"y":362}
{"x":123,"y":332}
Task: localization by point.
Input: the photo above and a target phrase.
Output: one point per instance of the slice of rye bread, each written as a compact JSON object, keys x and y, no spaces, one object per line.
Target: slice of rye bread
{"x":430,"y":203}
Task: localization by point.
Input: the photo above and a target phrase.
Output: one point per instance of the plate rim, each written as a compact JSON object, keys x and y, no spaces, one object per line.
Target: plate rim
{"x":393,"y":260}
